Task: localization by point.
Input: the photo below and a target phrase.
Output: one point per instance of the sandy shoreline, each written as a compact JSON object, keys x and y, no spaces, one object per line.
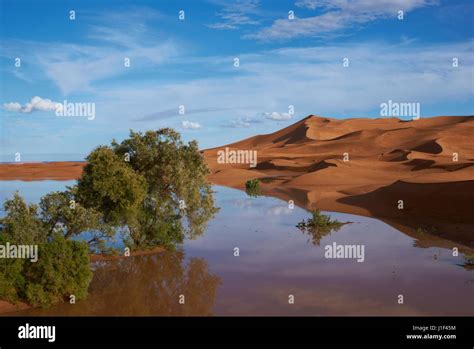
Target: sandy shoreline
{"x":388,"y":160}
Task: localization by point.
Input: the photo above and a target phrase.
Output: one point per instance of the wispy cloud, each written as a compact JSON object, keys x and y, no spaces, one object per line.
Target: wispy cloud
{"x":22,"y":76}
{"x":244,"y":122}
{"x":276,"y":116}
{"x":113,"y":38}
{"x":169,"y":113}
{"x":236,"y":14}
{"x":190,"y":125}
{"x":335,"y":17}
{"x":314,"y":80}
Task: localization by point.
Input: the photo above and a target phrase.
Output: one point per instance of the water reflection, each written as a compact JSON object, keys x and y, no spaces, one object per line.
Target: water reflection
{"x":146,"y":285}
{"x":318,"y":226}
{"x":276,"y":261}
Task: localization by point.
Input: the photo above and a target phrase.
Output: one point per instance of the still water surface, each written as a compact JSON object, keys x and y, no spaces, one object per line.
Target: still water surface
{"x":276,"y":260}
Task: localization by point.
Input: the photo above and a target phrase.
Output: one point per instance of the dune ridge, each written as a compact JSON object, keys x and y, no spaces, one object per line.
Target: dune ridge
{"x":387,"y":160}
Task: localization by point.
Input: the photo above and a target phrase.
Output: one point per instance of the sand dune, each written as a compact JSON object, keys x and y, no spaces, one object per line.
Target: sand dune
{"x":427,"y":163}
{"x":60,"y":171}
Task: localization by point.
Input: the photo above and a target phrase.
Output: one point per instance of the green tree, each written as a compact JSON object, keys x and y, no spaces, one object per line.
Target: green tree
{"x":62,"y":214}
{"x":109,"y":185}
{"x":21,"y":222}
{"x":62,"y":270}
{"x":63,"y":266}
{"x":179,"y":199}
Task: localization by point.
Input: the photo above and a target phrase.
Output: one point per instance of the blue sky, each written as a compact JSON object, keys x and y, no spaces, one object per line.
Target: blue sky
{"x":190,"y":63}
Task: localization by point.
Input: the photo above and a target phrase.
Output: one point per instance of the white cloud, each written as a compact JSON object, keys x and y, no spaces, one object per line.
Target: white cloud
{"x":12,"y":106}
{"x":278,"y":211}
{"x":112,"y":38}
{"x":277,"y":116}
{"x":36,"y":104}
{"x":238,"y":123}
{"x":236,"y":14}
{"x":243,"y":122}
{"x":189,"y":125}
{"x":314,"y":81}
{"x":336,"y":17}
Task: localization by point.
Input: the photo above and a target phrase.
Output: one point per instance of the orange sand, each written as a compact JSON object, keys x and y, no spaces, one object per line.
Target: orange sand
{"x":60,"y":171}
{"x":389,"y":160}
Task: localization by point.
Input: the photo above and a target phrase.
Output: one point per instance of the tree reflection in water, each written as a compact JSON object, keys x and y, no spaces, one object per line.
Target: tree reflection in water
{"x":146,"y":285}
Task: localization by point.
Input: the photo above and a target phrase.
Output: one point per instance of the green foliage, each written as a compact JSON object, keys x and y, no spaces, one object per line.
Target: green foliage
{"x":12,"y":280}
{"x":469,"y":258}
{"x":318,"y":226}
{"x":110,"y":186}
{"x":62,"y":214}
{"x":21,"y":222}
{"x":62,"y":268}
{"x":252,"y":187}
{"x":179,"y":200}
{"x":152,"y":187}
{"x":420,"y":231}
{"x":21,"y":225}
{"x":267,"y":179}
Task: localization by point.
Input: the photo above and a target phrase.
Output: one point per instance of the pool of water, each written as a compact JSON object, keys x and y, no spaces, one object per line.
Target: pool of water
{"x":279,"y":269}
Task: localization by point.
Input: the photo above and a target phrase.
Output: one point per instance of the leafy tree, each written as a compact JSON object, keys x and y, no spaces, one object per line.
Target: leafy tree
{"x":62,"y":268}
{"x":21,"y":222}
{"x":62,"y":214}
{"x":12,"y":280}
{"x":179,"y":200}
{"x":111,"y":186}
{"x":152,"y":187}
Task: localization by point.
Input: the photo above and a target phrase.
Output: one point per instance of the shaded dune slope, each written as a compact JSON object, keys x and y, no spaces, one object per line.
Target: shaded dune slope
{"x":427,"y":163}
{"x":388,"y":160}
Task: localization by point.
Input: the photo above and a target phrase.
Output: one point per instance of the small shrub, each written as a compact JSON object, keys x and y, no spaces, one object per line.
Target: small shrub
{"x":252,"y":187}
{"x":318,"y":226}
{"x":267,"y":179}
{"x":319,"y":220}
{"x":469,"y":258}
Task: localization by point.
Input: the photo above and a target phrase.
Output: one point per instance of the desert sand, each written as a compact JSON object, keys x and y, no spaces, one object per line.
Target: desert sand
{"x":35,"y":171}
{"x":360,"y":166}
{"x":387,"y":160}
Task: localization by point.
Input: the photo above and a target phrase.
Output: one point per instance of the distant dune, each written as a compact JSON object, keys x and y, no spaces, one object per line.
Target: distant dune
{"x":387,"y":160}
{"x":35,"y":171}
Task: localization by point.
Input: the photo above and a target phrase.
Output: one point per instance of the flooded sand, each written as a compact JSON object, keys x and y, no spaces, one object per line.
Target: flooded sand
{"x":276,"y":261}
